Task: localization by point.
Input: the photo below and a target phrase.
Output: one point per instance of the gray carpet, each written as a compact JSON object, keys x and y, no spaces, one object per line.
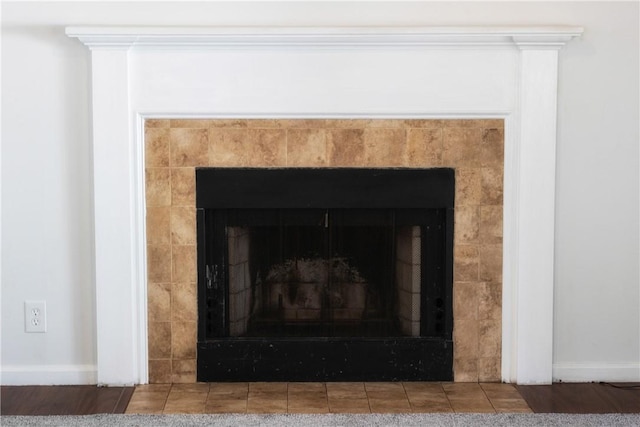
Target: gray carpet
{"x":365,"y":420}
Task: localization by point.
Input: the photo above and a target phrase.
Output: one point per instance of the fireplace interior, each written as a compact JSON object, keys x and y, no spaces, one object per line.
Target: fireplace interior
{"x":324,"y":274}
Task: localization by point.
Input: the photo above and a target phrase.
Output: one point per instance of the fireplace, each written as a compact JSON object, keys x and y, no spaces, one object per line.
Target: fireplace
{"x":140,"y":75}
{"x":325,"y":274}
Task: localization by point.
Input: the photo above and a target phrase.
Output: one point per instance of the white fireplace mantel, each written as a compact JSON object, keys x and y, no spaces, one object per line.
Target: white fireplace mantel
{"x":375,"y":72}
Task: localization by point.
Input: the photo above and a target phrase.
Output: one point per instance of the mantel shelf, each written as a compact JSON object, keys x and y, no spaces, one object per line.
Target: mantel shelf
{"x":323,"y":37}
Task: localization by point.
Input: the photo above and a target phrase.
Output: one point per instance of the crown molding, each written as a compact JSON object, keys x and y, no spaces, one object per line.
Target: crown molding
{"x":322,"y":37}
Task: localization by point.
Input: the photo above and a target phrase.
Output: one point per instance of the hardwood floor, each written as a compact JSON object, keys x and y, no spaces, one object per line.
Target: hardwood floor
{"x":82,"y":400}
{"x":593,"y":398}
{"x":63,"y":400}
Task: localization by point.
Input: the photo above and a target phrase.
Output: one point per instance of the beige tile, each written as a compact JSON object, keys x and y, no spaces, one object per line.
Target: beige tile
{"x":157,"y":147}
{"x":308,"y":406}
{"x":345,"y":147}
{"x":462,"y":123}
{"x":490,"y":224}
{"x":424,"y":147}
{"x":462,"y":146}
{"x":306,"y":147}
{"x":492,"y":152}
{"x":465,"y":338}
{"x":158,"y":225}
{"x":489,"y":368}
{"x":468,"y":187}
{"x":190,"y":123}
{"x":431,"y":406}
{"x":157,"y":123}
{"x":183,"y":264}
{"x":424,"y":123}
{"x":185,"y":406}
{"x":389,"y":406}
{"x":263,"y":390}
{"x":340,"y":390}
{"x":465,"y":370}
{"x":511,"y":406}
{"x":265,"y":123}
{"x":189,"y":147}
{"x":305,"y":123}
{"x":306,"y":387}
{"x":183,"y":371}
{"x":183,"y":226}
{"x":159,"y":263}
{"x":465,"y":300}
{"x":492,"y":185}
{"x":490,"y":300}
{"x":228,"y":391}
{"x":183,"y":340}
{"x":260,"y":405}
{"x":385,"y":147}
{"x":247,"y":147}
{"x":500,"y":391}
{"x":464,"y":391}
{"x":158,"y":186}
{"x":423,"y":388}
{"x":491,"y":263}
{"x":155,"y":388}
{"x":229,"y":123}
{"x":148,"y":396}
{"x":347,"y":123}
{"x":226,"y":406}
{"x":145,"y":407}
{"x":159,"y":340}
{"x":384,"y":386}
{"x":472,"y":406}
{"x":466,"y":263}
{"x":349,"y":406}
{"x":159,"y":302}
{"x":467,"y":224}
{"x":183,"y":187}
{"x":184,"y":300}
{"x":177,"y":389}
{"x":160,"y":371}
{"x":489,"y":338}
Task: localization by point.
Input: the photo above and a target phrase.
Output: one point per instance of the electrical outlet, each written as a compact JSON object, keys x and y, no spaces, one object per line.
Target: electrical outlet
{"x":35,"y":316}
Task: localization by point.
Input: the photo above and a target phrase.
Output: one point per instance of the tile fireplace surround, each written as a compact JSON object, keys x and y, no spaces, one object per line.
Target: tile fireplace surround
{"x":439,"y":76}
{"x":173,"y":148}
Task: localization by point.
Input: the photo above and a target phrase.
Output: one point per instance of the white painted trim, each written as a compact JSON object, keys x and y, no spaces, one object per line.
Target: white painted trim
{"x":48,"y":374}
{"x":529,"y":159}
{"x":103,"y":37}
{"x":587,"y":372}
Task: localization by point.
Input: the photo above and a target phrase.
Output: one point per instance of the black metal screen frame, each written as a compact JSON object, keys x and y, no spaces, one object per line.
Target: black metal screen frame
{"x":222,"y":191}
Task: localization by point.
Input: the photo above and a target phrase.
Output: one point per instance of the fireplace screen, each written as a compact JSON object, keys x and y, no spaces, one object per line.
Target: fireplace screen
{"x":298,"y":259}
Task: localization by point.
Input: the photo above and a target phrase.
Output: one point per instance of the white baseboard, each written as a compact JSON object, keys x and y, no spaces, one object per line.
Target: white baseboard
{"x":48,"y":374}
{"x":587,"y":372}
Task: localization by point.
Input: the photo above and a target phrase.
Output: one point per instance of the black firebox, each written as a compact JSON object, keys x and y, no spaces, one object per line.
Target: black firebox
{"x":325,"y":274}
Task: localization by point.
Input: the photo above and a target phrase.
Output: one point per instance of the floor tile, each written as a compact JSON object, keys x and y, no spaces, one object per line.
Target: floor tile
{"x":349,"y":406}
{"x":511,"y":405}
{"x":389,"y":406}
{"x":346,"y":390}
{"x":228,"y":391}
{"x":266,"y":406}
{"x":195,"y":387}
{"x":154,"y":387}
{"x":380,"y":386}
{"x":221,"y":406}
{"x":423,"y":387}
{"x":145,"y":407}
{"x":306,"y":387}
{"x":308,"y":406}
{"x":472,"y":405}
{"x":430,"y":406}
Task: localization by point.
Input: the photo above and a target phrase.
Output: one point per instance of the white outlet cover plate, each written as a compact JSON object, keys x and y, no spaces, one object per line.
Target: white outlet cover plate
{"x":35,"y":316}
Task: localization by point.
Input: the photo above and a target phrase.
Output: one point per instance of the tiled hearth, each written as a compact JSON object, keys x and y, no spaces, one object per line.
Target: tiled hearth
{"x":175,"y":147}
{"x":356,"y":397}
